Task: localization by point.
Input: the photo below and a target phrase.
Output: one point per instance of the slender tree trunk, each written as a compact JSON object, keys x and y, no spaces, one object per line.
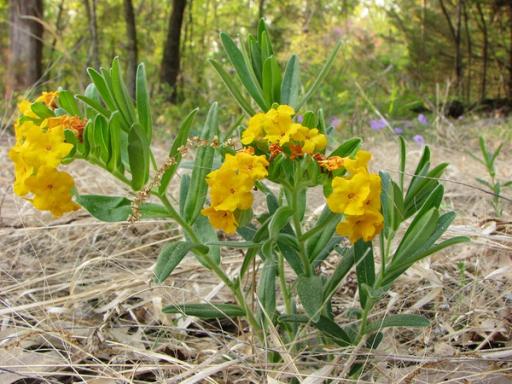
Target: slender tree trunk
{"x":261,"y":9}
{"x":510,"y":50}
{"x":485,"y":51}
{"x":456,"y":36}
{"x":93,"y":56}
{"x":25,"y":54}
{"x":469,"y":43}
{"x":132,"y":50}
{"x":170,"y":68}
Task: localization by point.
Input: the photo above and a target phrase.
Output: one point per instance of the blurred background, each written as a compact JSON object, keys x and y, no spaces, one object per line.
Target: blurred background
{"x":412,"y":63}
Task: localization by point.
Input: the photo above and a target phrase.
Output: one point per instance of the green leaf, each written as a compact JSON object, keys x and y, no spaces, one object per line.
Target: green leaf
{"x":121,"y":97}
{"x":103,"y":88}
{"x":169,"y":258}
{"x":206,"y":311}
{"x":387,"y":198}
{"x":106,"y":208}
{"x":138,"y":156}
{"x":184,"y":187}
{"x":202,"y":166}
{"x":420,"y":229}
{"x":179,"y":141}
{"x":291,"y":82}
{"x":288,"y":247}
{"x":321,"y":76}
{"x":334,"y":331}
{"x":348,"y":148}
{"x":142,"y":100}
{"x":255,"y":54}
{"x":102,"y":138}
{"x":400,"y":320}
{"x":365,"y":268}
{"x":267,"y":288}
{"x":279,"y":219}
{"x":153,"y":211}
{"x":41,"y":110}
{"x":310,"y":291}
{"x":94,"y":105}
{"x":342,"y":269}
{"x":237,"y":59}
{"x":115,"y":128}
{"x":207,"y":234}
{"x":68,"y":103}
{"x":403,"y":159}
{"x":233,"y":88}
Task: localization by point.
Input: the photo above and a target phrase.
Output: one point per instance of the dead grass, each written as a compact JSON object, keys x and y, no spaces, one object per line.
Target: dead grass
{"x":77,"y":302}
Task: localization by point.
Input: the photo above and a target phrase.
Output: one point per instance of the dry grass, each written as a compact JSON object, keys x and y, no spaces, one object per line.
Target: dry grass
{"x":77,"y":303}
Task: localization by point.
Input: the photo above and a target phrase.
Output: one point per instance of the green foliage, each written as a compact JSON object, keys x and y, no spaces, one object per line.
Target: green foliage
{"x":494,"y":185}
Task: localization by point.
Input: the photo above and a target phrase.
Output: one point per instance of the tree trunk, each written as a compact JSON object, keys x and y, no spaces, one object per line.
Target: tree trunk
{"x":469,"y":43}
{"x":485,"y":51}
{"x":93,"y":56}
{"x":132,"y":51}
{"x":170,"y":68}
{"x":456,"y":36}
{"x":510,"y":51}
{"x":25,"y":54}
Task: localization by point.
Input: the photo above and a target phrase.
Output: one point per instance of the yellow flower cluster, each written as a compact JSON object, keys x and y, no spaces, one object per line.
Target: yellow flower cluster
{"x":39,"y":149}
{"x":231,"y":188}
{"x":357,"y":196}
{"x":276,"y":127}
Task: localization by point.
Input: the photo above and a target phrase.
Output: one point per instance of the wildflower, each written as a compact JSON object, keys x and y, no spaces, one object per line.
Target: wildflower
{"x":335,"y":121}
{"x":379,"y":124}
{"x":224,"y":220}
{"x":52,"y":191}
{"x":48,"y":98}
{"x":25,"y":109}
{"x":365,"y":226}
{"x":275,"y":149}
{"x":312,"y":139}
{"x":299,"y":118}
{"x":349,"y":195}
{"x":254,"y":129}
{"x":359,"y":163}
{"x":332,"y":163}
{"x":419,"y":139}
{"x":279,"y":127}
{"x":231,"y":187}
{"x":73,"y":123}
{"x":422,"y":119}
{"x":398,"y":130}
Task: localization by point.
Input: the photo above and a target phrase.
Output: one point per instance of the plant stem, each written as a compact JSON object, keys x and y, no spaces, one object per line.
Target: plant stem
{"x":233,"y":286}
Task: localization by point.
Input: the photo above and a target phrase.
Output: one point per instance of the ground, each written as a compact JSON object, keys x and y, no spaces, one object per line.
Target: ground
{"x":78,"y":303}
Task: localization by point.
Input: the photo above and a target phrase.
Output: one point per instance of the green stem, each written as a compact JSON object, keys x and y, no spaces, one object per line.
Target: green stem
{"x":308,"y":270}
{"x":233,"y":286}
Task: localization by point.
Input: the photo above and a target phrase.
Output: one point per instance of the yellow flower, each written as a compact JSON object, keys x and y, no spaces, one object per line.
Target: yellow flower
{"x":365,"y":226}
{"x":244,"y":162}
{"x":48,"y":98}
{"x":359,"y":163}
{"x":224,"y":220}
{"x":230,"y":190}
{"x":52,"y":191}
{"x":348,"y":195}
{"x":278,"y":125}
{"x":47,"y":148}
{"x":332,"y":163}
{"x":313,"y":140}
{"x":25,"y":108}
{"x":254,"y":129}
{"x":372,"y":202}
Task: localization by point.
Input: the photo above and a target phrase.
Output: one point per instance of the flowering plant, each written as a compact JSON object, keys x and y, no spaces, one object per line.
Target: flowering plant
{"x":276,"y":158}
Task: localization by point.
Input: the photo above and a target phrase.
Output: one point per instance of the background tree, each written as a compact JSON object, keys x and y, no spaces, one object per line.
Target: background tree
{"x":170,"y":67}
{"x":24,"y":67}
{"x":131,"y":46}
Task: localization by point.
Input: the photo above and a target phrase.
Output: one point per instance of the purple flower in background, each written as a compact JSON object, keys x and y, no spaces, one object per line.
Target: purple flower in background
{"x":422,"y":119}
{"x":299,"y":118}
{"x":335,"y":121}
{"x":418,"y":139}
{"x":337,"y":31}
{"x":378,"y":124}
{"x":399,"y":130}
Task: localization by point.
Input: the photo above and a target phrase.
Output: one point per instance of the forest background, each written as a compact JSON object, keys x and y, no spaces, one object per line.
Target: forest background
{"x":400,"y":59}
